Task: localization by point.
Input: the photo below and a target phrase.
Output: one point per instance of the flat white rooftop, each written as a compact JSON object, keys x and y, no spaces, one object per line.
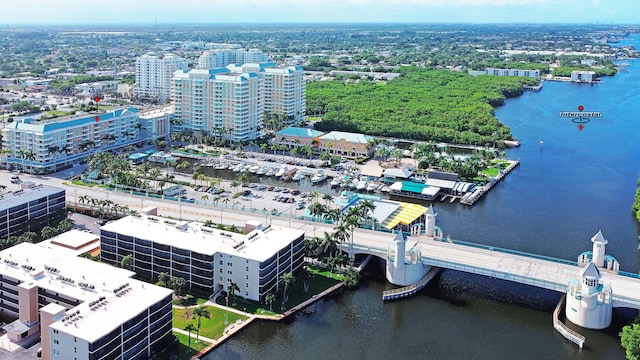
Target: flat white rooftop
{"x":259,"y":245}
{"x":78,"y":278}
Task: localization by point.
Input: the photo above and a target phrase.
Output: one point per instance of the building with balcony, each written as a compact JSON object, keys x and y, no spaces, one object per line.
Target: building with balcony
{"x":217,"y":58}
{"x":153,"y":74}
{"x":30,"y":209}
{"x":284,"y":89}
{"x":513,"y":72}
{"x":209,"y":259}
{"x":81,"y":309}
{"x":44,"y":146}
{"x":229,"y":104}
{"x":156,"y":123}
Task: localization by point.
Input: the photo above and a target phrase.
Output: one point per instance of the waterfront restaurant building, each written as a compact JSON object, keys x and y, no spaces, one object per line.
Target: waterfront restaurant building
{"x":61,"y":142}
{"x":347,"y":144}
{"x":209,"y":259}
{"x":80,"y":309}
{"x":293,"y":137}
{"x":30,"y":208}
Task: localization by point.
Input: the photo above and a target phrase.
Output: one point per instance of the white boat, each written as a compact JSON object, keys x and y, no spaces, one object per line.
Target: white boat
{"x":318,"y":177}
{"x":335,"y":182}
{"x":281,"y":172}
{"x":221,"y":166}
{"x":254,"y":169}
{"x":385,"y":189}
{"x":353,"y":183}
{"x":238,"y":168}
{"x":298,"y":176}
{"x":372,"y":186}
{"x":231,"y":166}
{"x":362,"y":184}
{"x":262,"y":170}
{"x":271,"y":171}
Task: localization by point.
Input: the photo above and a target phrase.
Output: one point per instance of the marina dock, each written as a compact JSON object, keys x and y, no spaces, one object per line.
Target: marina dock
{"x":471,"y":198}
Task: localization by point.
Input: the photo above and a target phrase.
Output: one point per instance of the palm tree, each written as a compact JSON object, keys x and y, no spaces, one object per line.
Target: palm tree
{"x":351,"y":278}
{"x":189,"y":328}
{"x":231,"y":289}
{"x":31,"y":156}
{"x":269,"y":299}
{"x":286,"y":279}
{"x":53,"y":150}
{"x":144,"y":169}
{"x":314,"y":195}
{"x":163,"y":279}
{"x":327,"y":198}
{"x":84,"y":199}
{"x":183,"y":165}
{"x":154,"y":175}
{"x":205,"y":198}
{"x":328,"y":244}
{"x":200,"y":312}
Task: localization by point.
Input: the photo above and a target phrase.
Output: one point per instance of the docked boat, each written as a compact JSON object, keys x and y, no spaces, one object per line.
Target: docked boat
{"x":220,"y":166}
{"x":372,"y":186}
{"x":353,"y":184}
{"x":362,"y":185}
{"x":318,"y":177}
{"x":262,"y":170}
{"x":335,"y":182}
{"x":271,"y":171}
{"x":231,"y":166}
{"x":385,"y":189}
{"x":238,"y":168}
{"x":289,"y":174}
{"x":280,"y":172}
{"x":298,"y":176}
{"x":254,"y":169}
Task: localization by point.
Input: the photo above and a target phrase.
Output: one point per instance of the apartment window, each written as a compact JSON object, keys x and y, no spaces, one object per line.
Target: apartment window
{"x":75,"y":349}
{"x":221,"y":263}
{"x":220,"y":278}
{"x":247,"y":285}
{"x":55,"y":331}
{"x":247,"y":268}
{"x":75,"y":339}
{"x":247,"y":277}
{"x":56,"y":341}
{"x":229,"y":272}
{"x":229,"y":264}
{"x":221,"y":271}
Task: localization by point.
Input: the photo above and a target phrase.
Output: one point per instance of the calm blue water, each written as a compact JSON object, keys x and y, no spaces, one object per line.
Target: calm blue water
{"x":575,"y":184}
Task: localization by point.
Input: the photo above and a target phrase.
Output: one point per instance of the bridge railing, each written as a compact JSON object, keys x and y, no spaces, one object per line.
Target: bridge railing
{"x":551,"y":285}
{"x":629,"y":274}
{"x":512,"y":252}
{"x":625,"y":299}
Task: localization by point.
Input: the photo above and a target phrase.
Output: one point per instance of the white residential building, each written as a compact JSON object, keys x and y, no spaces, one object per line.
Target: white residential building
{"x":208,"y":258}
{"x":44,"y":146}
{"x":284,"y":89}
{"x":153,"y":74}
{"x":216,"y":58}
{"x":230,"y":104}
{"x":81,"y":309}
{"x":513,"y":72}
{"x":580,"y":76}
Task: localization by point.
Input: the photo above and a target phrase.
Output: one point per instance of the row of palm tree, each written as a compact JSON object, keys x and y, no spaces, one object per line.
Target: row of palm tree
{"x":101,"y":207}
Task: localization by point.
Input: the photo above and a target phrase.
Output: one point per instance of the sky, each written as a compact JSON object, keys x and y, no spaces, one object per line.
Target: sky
{"x":313,"y":11}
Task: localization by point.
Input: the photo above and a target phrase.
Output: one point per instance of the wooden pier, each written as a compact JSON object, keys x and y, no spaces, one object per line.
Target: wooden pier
{"x":569,"y":334}
{"x":410,"y":289}
{"x":470,"y":199}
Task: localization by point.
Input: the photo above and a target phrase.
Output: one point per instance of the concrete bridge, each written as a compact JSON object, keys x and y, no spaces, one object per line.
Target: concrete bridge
{"x":541,"y":271}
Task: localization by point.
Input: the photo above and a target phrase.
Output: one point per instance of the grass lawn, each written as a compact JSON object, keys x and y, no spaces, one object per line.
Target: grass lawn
{"x":182,"y":350}
{"x":491,"y":172}
{"x":189,"y":301}
{"x":212,"y":327}
{"x":317,"y":284}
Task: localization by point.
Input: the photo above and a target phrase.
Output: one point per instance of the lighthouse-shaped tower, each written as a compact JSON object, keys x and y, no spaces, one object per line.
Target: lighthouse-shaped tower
{"x":598,"y":255}
{"x":589,"y":300}
{"x":430,"y":222}
{"x":599,"y":243}
{"x":404,"y":267}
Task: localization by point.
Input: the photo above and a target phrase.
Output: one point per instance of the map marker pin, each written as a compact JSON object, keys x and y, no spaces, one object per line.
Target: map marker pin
{"x":97,"y":118}
{"x":580,"y":127}
{"x":580,"y":108}
{"x":97,"y":99}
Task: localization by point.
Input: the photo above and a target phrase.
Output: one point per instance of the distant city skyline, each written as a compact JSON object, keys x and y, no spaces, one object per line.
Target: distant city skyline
{"x":320,"y":11}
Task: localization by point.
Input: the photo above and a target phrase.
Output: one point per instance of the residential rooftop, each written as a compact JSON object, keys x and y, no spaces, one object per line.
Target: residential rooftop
{"x":258,"y":245}
{"x":85,"y":280}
